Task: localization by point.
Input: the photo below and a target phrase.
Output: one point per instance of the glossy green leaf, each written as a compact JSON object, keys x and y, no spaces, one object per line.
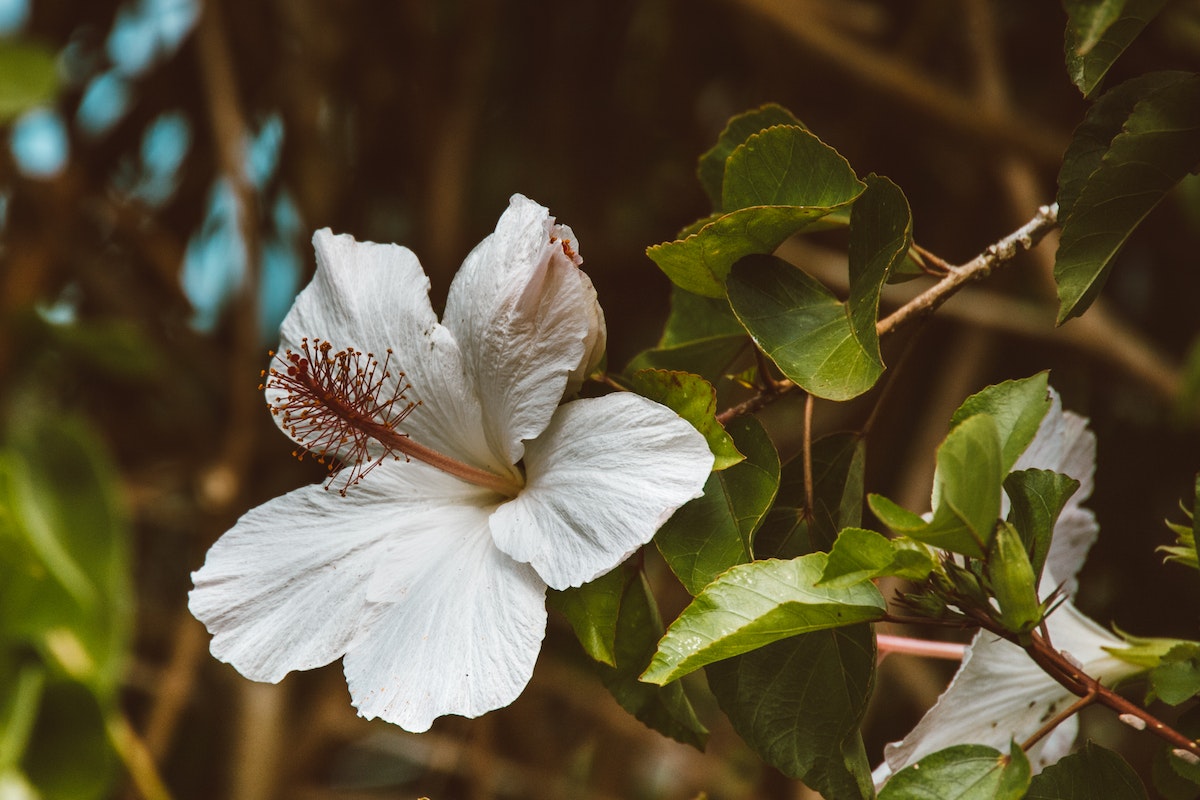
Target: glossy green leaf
{"x":963,"y":772}
{"x":593,"y":610}
{"x":1017,"y":407}
{"x":30,"y":73}
{"x":712,"y":533}
{"x":860,"y":555}
{"x":701,"y":336}
{"x":666,"y":709}
{"x":818,"y":685}
{"x":791,"y":529}
{"x":694,"y":399}
{"x":711,"y":169}
{"x":752,"y":605}
{"x":1159,"y":143}
{"x":828,"y":347}
{"x":1037,"y":498}
{"x":966,"y":492}
{"x":1098,"y":31}
{"x":777,"y":183}
{"x":1092,"y":772}
{"x":1014,"y":585}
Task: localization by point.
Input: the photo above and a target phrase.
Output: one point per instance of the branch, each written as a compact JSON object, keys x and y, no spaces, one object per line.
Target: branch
{"x":1003,"y":251}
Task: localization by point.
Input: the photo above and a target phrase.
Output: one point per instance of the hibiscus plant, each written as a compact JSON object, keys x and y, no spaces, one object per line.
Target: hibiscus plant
{"x":488,"y":463}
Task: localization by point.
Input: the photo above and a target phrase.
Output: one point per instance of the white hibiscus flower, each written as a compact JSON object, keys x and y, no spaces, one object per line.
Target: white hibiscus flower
{"x":468,"y":485}
{"x":999,"y":694}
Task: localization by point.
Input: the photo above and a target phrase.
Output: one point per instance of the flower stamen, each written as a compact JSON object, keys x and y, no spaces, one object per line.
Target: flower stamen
{"x":343,"y":409}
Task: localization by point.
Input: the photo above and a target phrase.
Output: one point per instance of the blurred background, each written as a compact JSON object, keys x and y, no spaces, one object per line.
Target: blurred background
{"x":163,"y":166}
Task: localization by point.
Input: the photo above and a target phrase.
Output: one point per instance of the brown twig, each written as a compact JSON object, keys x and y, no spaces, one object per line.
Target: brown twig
{"x":1003,"y":251}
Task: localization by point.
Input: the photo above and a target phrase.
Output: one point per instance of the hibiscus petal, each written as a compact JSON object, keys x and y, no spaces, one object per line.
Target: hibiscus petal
{"x":458,"y":627}
{"x":285,"y":588}
{"x":373,"y":297}
{"x":600,"y":481}
{"x":527,"y":321}
{"x":1000,"y":694}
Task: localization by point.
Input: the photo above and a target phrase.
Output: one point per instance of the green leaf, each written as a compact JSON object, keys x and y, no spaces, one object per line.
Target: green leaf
{"x":30,"y":73}
{"x":710,"y":534}
{"x":1013,"y":581}
{"x":694,"y":399}
{"x":1094,"y":135}
{"x":593,"y":610}
{"x":798,"y":703}
{"x":70,"y":756}
{"x":966,"y":492}
{"x":1184,"y":551}
{"x":1159,"y":143}
{"x":963,"y":772}
{"x":701,"y":336}
{"x":711,"y":169}
{"x":21,"y":688}
{"x":1017,"y":407}
{"x":787,"y":165}
{"x":1098,"y":31}
{"x":1038,"y":497}
{"x":790,"y":529}
{"x":776,"y":184}
{"x":860,"y":555}
{"x":65,"y":511}
{"x":1176,"y":678}
{"x":666,"y":709}
{"x":752,"y":605}
{"x":701,"y":262}
{"x":828,"y":347}
{"x":1090,"y":773}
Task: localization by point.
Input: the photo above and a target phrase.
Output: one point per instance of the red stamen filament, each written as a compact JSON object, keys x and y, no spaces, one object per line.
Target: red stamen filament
{"x":339,"y":406}
{"x":951,"y":651}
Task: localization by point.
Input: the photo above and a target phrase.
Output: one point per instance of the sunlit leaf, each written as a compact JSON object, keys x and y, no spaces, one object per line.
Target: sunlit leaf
{"x":1098,"y":31}
{"x":714,"y":532}
{"x":752,"y":605}
{"x":1017,"y":407}
{"x":694,"y":399}
{"x":1013,"y":581}
{"x":860,"y":555}
{"x":819,"y":685}
{"x":966,"y":492}
{"x":1092,"y":772}
{"x":964,"y":772}
{"x":1159,"y":143}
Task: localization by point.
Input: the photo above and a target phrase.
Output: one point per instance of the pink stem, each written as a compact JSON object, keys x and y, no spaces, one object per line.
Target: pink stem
{"x":950,"y":651}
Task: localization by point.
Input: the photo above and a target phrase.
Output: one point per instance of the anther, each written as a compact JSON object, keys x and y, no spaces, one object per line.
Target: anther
{"x":337,"y":406}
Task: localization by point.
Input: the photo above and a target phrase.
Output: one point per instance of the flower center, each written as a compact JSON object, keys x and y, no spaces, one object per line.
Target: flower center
{"x":343,"y":408}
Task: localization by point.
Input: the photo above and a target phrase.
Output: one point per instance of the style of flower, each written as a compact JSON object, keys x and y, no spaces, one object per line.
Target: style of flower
{"x":999,"y":694}
{"x":467,"y":485}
